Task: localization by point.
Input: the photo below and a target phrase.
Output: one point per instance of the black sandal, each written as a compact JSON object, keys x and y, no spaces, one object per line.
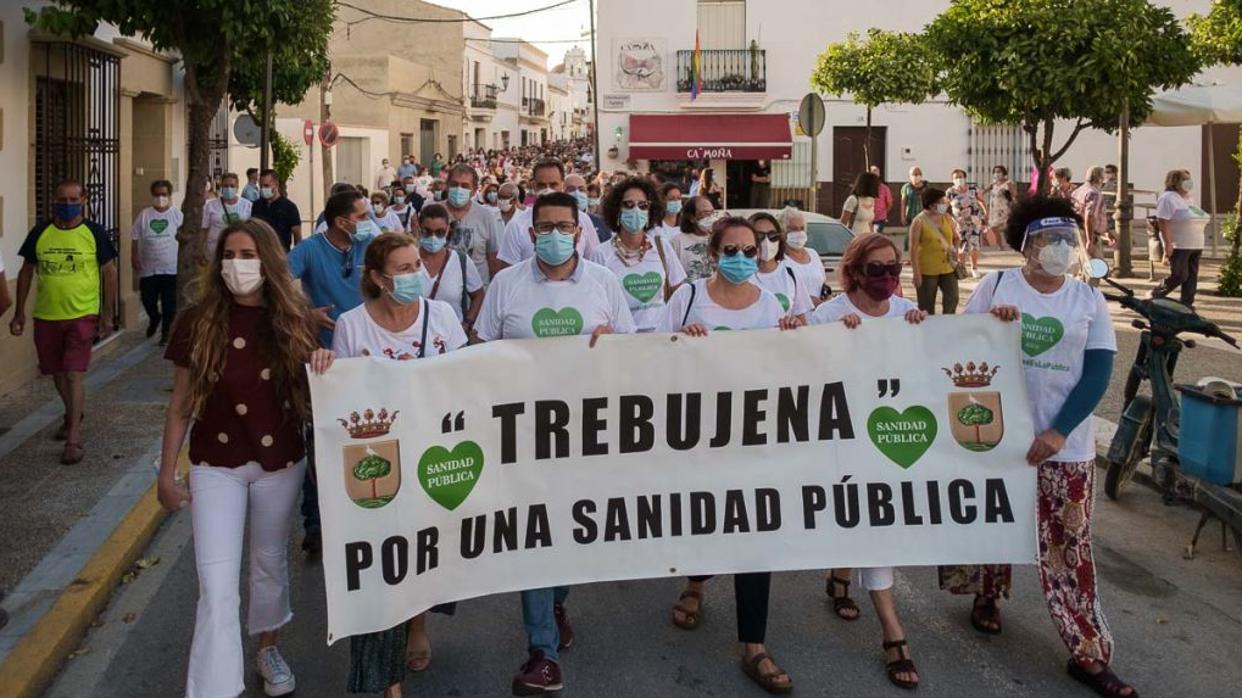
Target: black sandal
{"x":842,"y":603}
{"x":690,"y":619}
{"x":985,"y":617}
{"x":902,"y":665}
{"x":1104,"y":683}
{"x":768,"y":682}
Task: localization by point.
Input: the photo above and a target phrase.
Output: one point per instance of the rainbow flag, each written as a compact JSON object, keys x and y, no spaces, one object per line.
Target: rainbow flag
{"x":696,"y":69}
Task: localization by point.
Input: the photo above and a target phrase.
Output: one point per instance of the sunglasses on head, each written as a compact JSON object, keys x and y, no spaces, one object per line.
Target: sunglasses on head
{"x":877,"y":269}
{"x":732,"y":250}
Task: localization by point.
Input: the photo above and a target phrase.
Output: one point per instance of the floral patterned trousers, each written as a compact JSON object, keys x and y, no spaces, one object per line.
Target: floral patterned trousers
{"x":1066,"y":568}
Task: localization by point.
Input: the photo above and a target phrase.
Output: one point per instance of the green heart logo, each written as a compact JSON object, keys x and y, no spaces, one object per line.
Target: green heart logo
{"x":784,"y":301}
{"x":902,"y":436}
{"x":551,"y":323}
{"x":1040,"y":334}
{"x":643,"y":286}
{"x":448,"y":477}
{"x":158,"y":226}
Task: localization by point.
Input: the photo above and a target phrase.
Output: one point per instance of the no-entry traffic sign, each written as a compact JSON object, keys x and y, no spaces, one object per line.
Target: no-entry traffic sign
{"x":328,"y":134}
{"x":308,"y":132}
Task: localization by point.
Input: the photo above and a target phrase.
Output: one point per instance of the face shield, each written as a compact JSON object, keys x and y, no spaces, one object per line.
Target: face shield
{"x":1053,"y":247}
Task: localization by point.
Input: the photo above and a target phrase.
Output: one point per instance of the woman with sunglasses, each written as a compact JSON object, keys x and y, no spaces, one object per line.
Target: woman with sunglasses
{"x":697,"y":217}
{"x":774,"y":273}
{"x":730,"y":300}
{"x":645,"y":263}
{"x":870,"y":276}
{"x":1064,"y":385}
{"x":448,"y":275}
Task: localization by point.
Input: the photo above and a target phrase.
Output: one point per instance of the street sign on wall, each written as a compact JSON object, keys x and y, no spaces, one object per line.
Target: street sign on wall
{"x":328,"y":134}
{"x":246,"y":130}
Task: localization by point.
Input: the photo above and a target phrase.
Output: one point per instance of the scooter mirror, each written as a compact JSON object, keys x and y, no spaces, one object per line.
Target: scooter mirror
{"x":1097,"y":268}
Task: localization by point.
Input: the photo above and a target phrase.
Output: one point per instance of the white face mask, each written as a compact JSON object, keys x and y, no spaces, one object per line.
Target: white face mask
{"x":796,"y":239}
{"x":506,"y":205}
{"x":1188,"y":185}
{"x":161,"y":201}
{"x":242,"y":276}
{"x":959,"y":181}
{"x":768,"y":250}
{"x":705,"y":224}
{"x":1055,"y":259}
{"x":941,"y":208}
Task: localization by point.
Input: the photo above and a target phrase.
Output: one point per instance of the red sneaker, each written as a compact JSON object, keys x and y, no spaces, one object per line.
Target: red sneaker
{"x":563,"y":628}
{"x":539,"y":675}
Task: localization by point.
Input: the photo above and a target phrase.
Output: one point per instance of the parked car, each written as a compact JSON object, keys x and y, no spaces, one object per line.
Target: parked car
{"x":824,"y":234}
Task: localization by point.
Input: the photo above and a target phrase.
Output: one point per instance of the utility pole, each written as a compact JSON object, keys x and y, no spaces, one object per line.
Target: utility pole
{"x":599,"y":165}
{"x":1125,"y":206}
{"x":265,"y":137}
{"x":325,"y":113}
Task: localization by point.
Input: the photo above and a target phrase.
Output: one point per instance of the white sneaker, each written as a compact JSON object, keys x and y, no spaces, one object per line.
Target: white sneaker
{"x":974,"y":273}
{"x":277,"y":676}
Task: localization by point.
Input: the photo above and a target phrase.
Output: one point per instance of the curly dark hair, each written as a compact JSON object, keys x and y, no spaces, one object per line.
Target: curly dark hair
{"x":611,"y":206}
{"x":1033,"y":209}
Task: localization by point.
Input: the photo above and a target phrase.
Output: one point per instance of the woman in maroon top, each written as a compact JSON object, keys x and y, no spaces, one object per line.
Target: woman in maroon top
{"x":239,"y":376}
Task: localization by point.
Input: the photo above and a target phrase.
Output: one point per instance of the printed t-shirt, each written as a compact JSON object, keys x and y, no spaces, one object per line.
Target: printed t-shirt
{"x":840,"y":306}
{"x":156,"y":234}
{"x":515,"y":244}
{"x":358,"y":334}
{"x":763,"y":313}
{"x":217,"y":216}
{"x":1186,"y":221}
{"x":67,"y":262}
{"x":390,"y":222}
{"x":643,"y":280}
{"x":1057,"y":328}
{"x":523,"y":303}
{"x":811,"y":275}
{"x":783,"y":283}
{"x":243,"y":420}
{"x":692,"y":251}
{"x":452,"y":285}
{"x":321,"y":268}
{"x":478,"y":235}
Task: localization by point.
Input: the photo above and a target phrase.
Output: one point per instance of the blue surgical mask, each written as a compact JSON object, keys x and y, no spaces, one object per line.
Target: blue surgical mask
{"x":364,"y":231}
{"x":583,"y":201}
{"x":432,"y":243}
{"x":673,"y":207}
{"x":227,"y":193}
{"x":66,"y":212}
{"x":406,"y":288}
{"x":458,"y":197}
{"x":554,"y":248}
{"x":738,"y":268}
{"x":633,"y":219}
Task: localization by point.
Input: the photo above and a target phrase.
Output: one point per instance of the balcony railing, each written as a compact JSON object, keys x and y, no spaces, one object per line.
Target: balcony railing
{"x":535,"y":106}
{"x":726,"y":70}
{"x":483,"y":97}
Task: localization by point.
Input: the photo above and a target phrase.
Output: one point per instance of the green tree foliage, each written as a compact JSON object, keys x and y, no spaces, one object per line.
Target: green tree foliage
{"x":975,"y":415}
{"x":1033,"y":62}
{"x":285,"y":157}
{"x":372,"y":468}
{"x":884,"y":68}
{"x":222,"y":45}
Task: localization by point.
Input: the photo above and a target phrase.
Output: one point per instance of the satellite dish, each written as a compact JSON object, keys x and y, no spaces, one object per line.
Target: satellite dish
{"x":246,"y":130}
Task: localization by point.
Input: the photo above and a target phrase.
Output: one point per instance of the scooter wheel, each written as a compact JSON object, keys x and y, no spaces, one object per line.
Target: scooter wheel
{"x":1121,"y":469}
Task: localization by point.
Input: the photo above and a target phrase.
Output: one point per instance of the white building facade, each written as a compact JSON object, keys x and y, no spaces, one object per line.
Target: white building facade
{"x":757,"y":60}
{"x":531,"y":65}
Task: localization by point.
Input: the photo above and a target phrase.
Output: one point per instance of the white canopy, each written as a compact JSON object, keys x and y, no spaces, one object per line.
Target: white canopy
{"x":1195,"y":105}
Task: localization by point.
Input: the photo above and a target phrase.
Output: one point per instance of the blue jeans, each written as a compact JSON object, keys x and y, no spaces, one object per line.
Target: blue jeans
{"x":540,"y":621}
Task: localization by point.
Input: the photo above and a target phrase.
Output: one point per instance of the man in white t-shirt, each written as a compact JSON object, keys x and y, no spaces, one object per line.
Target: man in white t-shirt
{"x":516,"y":244}
{"x":227,"y":208}
{"x":385,"y":176}
{"x":153,"y":254}
{"x":554,"y":293}
{"x":475,"y":229}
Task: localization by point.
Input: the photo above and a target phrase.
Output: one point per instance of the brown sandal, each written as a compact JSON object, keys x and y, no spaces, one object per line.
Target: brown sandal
{"x":62,"y":434}
{"x":985,"y":616}
{"x":73,"y":454}
{"x":768,"y":682}
{"x":1104,"y":682}
{"x":843,"y":603}
{"x":690,"y":619}
{"x":902,"y":665}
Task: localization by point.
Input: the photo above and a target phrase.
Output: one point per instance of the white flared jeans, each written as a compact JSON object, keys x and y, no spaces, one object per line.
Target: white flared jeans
{"x":222,"y":498}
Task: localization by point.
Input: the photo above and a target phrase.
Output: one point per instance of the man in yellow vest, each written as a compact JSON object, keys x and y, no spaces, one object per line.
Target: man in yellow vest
{"x":71,"y":256}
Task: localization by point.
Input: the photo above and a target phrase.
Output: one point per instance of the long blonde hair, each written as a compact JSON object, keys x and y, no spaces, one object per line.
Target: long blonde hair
{"x":286,"y":338}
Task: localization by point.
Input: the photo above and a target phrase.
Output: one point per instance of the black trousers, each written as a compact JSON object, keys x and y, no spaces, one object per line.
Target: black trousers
{"x":750,"y":597}
{"x":159,"y":298}
{"x":1184,"y":272}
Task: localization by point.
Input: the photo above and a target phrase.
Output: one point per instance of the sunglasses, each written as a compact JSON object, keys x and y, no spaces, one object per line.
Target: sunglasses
{"x":878,"y":269}
{"x":642,"y":205}
{"x":732,"y":250}
{"x":347,"y":263}
{"x":772,"y":236}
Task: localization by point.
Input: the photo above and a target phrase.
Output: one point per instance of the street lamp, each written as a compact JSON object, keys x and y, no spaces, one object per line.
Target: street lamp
{"x":504,"y":82}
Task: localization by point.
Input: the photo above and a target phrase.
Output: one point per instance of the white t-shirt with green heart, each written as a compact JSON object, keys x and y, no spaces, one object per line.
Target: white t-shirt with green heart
{"x":522,"y":303}
{"x":156,"y":234}
{"x":766,"y":312}
{"x":787,"y":287}
{"x":643,"y":280}
{"x":1057,"y":328}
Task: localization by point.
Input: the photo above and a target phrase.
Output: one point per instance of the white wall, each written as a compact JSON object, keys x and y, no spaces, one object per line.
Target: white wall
{"x":375,"y":143}
{"x":14,"y":125}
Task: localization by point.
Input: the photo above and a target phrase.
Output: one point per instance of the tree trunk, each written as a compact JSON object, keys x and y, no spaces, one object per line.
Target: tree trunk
{"x":325,"y":112}
{"x":374,"y":488}
{"x":867,"y":142}
{"x":192,"y":238}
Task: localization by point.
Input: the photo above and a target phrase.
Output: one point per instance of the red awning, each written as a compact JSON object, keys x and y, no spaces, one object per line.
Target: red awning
{"x":710,"y":137}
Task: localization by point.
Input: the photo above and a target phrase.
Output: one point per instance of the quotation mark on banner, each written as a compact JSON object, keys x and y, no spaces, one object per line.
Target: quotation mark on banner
{"x":888,"y":386}
{"x":448,"y":424}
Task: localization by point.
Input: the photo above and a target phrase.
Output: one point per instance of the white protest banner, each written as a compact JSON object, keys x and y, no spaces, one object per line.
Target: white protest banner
{"x":535,"y":463}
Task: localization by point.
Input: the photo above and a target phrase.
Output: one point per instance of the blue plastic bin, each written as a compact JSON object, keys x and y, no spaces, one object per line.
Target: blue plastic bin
{"x":1208,"y":444}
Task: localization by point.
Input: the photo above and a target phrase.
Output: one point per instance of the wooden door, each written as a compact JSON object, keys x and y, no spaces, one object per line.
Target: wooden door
{"x":849,"y":159}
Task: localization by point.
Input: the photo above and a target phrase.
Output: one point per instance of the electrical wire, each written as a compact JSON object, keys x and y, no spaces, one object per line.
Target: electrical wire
{"x":445,"y":20}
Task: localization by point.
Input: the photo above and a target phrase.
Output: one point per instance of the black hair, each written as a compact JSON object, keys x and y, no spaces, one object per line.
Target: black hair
{"x":557,"y":199}
{"x":161,"y":183}
{"x":611,"y":207}
{"x":1004,"y":170}
{"x":685,"y":220}
{"x":668,"y":187}
{"x":867,"y":184}
{"x":269,"y":172}
{"x":340,"y":205}
{"x":765,"y":216}
{"x":930,"y":196}
{"x":1033,"y":209}
{"x":548,"y":162}
{"x":431,"y":211}
{"x":250,"y":171}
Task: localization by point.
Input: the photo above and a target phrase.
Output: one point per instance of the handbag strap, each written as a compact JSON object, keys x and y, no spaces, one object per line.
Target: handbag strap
{"x":422,"y":343}
{"x":690,"y":304}
{"x":435,"y":288}
{"x":659,"y":245}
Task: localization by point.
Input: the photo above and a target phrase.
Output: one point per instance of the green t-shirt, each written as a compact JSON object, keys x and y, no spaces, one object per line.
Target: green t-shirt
{"x":67,"y":262}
